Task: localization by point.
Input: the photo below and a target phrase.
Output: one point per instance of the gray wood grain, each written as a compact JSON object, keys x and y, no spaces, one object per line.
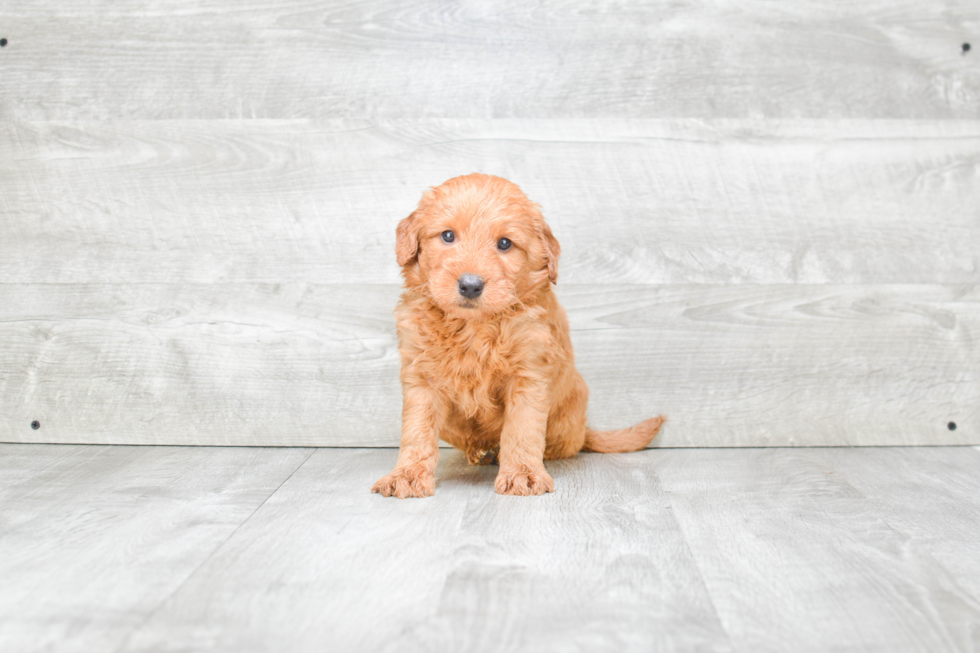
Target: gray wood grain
{"x":796,"y":558}
{"x":325,"y":565}
{"x":926,"y":494}
{"x":647,"y":201}
{"x":300,"y":59}
{"x":94,"y":539}
{"x":183,"y":549}
{"x":290,"y":364}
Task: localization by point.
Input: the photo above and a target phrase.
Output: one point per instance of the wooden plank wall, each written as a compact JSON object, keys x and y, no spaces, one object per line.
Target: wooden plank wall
{"x":768,"y":214}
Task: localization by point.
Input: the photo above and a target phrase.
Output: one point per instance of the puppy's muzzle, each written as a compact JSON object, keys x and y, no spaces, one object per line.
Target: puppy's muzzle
{"x":470,"y":286}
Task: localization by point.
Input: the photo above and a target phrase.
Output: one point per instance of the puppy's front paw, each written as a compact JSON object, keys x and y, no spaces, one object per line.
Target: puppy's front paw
{"x":404,"y":483}
{"x":524,"y":483}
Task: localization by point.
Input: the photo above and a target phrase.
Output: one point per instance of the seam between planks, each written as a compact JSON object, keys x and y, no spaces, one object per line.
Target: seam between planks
{"x":447,"y":569}
{"x":697,"y":564}
{"x":166,"y":599}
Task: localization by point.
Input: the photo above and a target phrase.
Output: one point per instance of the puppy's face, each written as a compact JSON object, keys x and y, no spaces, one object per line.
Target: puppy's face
{"x":477,"y":247}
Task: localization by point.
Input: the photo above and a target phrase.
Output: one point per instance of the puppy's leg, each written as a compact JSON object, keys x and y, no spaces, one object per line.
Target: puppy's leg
{"x":414,"y":473}
{"x":522,"y":444}
{"x":566,"y":422}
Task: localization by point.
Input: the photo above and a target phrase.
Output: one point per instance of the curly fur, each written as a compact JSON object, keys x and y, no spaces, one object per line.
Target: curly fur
{"x":493,"y":376}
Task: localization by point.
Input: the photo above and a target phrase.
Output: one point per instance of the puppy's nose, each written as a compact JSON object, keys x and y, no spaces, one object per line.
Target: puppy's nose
{"x":470,"y":286}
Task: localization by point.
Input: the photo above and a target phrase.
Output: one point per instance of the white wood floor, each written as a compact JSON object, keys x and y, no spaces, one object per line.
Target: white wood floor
{"x":122,"y":548}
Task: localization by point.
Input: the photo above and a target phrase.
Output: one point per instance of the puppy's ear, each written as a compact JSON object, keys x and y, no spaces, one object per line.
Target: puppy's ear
{"x":551,"y":249}
{"x":407,"y":239}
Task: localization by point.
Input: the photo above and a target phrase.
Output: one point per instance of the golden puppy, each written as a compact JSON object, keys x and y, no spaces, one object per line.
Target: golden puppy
{"x":486,"y":358}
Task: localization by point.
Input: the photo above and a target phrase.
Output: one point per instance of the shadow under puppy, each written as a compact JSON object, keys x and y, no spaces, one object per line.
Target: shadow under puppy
{"x":486,"y":358}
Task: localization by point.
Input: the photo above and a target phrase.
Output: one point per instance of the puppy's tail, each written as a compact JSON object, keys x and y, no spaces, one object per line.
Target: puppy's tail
{"x":632,"y":439}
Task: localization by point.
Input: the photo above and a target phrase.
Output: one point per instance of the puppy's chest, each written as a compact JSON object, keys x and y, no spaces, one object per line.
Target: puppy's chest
{"x":472,"y":370}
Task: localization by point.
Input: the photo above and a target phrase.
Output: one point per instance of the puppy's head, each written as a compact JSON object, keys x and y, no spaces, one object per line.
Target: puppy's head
{"x":477,"y":246}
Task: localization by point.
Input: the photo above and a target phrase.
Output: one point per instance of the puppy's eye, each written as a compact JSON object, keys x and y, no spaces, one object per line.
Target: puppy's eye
{"x":504,"y":244}
{"x":448,"y":236}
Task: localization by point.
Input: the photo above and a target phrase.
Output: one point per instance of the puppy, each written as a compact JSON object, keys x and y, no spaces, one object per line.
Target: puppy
{"x":486,"y":358}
